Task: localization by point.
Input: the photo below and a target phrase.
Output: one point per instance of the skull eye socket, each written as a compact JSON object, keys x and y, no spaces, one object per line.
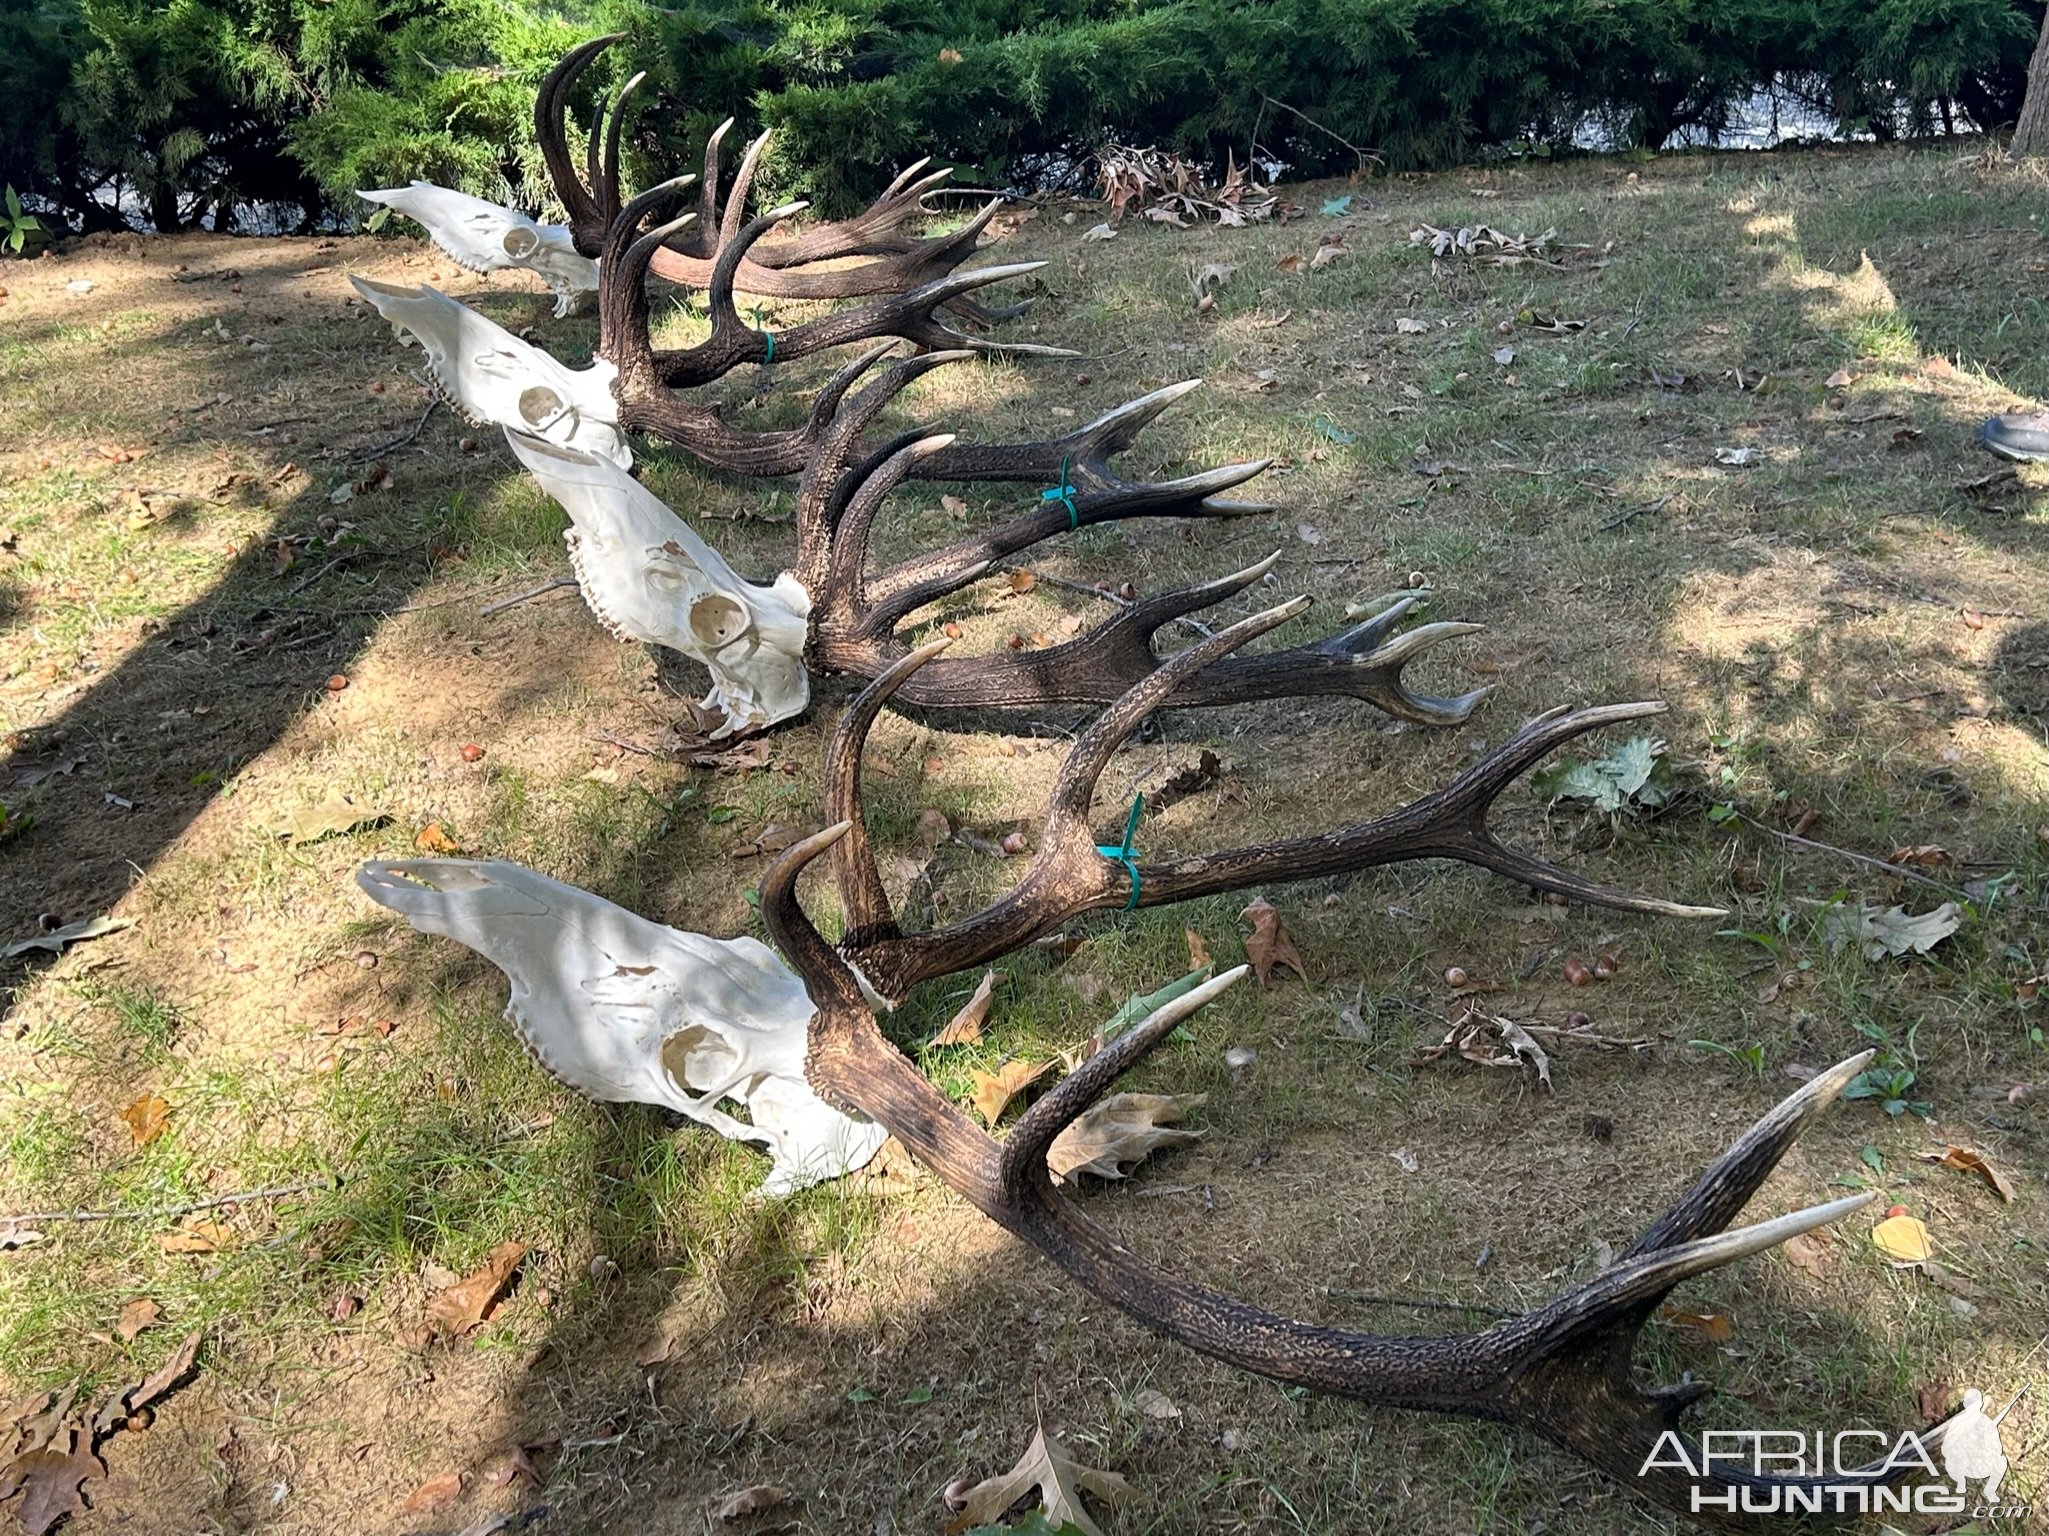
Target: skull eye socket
{"x":717,"y":620}
{"x":539,"y":405}
{"x":698,"y":1059}
{"x":520,"y":242}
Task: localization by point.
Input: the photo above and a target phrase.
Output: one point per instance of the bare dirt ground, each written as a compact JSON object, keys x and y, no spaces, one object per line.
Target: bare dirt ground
{"x":239,"y":571}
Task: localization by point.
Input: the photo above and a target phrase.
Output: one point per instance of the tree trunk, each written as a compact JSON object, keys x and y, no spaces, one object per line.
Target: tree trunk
{"x":2031,"y":133}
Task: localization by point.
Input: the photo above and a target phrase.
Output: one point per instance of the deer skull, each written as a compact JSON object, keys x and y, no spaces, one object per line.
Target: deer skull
{"x":490,"y":375}
{"x":647,"y":576}
{"x":631,"y":1012}
{"x":487,"y":238}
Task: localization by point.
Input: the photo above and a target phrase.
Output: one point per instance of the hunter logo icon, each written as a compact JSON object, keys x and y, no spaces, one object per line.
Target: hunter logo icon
{"x":1971,"y":1450}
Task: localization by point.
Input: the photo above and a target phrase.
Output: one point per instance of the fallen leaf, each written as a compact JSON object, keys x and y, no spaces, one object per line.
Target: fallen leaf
{"x":1269,"y":946}
{"x":1715,"y":1327}
{"x":50,"y":1482}
{"x":1116,"y":1134}
{"x":468,"y":1302}
{"x":1890,"y":933}
{"x":1842,"y":378}
{"x":337,"y":813}
{"x":1198,"y":952}
{"x":166,"y":1376}
{"x":1290,"y":263}
{"x":1155,"y":1404}
{"x":1737,"y":458}
{"x":13,"y":1237}
{"x":1407,"y":327}
{"x":993,"y":1091}
{"x":1022,"y":580}
{"x":514,"y":1466}
{"x":1100,"y":232}
{"x":1806,"y":1253}
{"x":196,"y":1236}
{"x":1211,"y":274}
{"x":1903,"y":1239}
{"x":953,"y":506}
{"x":441,"y":1489}
{"x":1926,"y":855}
{"x":1337,"y":207}
{"x":434,"y":838}
{"x":1326,"y":254}
{"x":1331,"y":432}
{"x":749,"y":1501}
{"x":137,"y":1316}
{"x":1060,"y":1481}
{"x":1504,"y":355}
{"x":148,"y":1118}
{"x":1965,"y":1160}
{"x":71,"y":933}
{"x":1934,"y":1401}
{"x":965,"y":1027}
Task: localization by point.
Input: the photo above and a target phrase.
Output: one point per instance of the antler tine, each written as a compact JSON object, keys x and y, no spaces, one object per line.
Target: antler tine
{"x":825,"y":974}
{"x":1025,"y":1149}
{"x":623,"y":336}
{"x":588,"y":221}
{"x":743,"y":182}
{"x":844,"y":576}
{"x":1726,"y":1187}
{"x":1096,"y":667}
{"x":869,"y":915}
{"x":708,"y":190}
{"x":605,"y":174}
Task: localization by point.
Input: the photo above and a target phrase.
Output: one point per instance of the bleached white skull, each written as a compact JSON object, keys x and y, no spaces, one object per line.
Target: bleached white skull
{"x":484,"y":237}
{"x":631,"y":1012}
{"x":647,"y":576}
{"x":492,"y":377}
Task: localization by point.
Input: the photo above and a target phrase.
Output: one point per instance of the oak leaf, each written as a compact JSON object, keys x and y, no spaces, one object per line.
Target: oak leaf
{"x":441,"y":1489}
{"x":468,"y":1302}
{"x":1903,"y":1239}
{"x":965,"y":1027}
{"x":136,"y":1316}
{"x":749,"y":1501}
{"x":1715,"y":1327}
{"x":1966,"y":1160}
{"x":993,"y":1091}
{"x":337,"y":813}
{"x":434,"y":838}
{"x":1060,"y":1481}
{"x":1198,"y":952}
{"x":51,"y":1484}
{"x":1269,"y":945}
{"x":148,"y":1118}
{"x":1115,"y":1134}
{"x":196,"y":1236}
{"x":1892,"y":932}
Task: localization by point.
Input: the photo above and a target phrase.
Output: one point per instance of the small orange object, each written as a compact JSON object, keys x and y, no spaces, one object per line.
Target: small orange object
{"x":471,"y":751}
{"x":1895,"y":1210}
{"x":336,"y":683}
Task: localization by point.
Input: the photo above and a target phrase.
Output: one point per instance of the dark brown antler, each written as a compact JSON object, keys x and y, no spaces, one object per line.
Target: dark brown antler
{"x":1562,"y":1371}
{"x":786,"y":270}
{"x":623,"y":305}
{"x":1072,"y":871}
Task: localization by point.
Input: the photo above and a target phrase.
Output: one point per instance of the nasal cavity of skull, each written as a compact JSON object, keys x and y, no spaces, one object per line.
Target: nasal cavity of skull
{"x":539,"y":405}
{"x":520,"y":242}
{"x":699,"y":1059}
{"x":717,"y":620}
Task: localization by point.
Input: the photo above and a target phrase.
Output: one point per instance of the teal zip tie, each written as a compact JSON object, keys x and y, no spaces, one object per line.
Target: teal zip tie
{"x":1124,"y":853}
{"x":767,"y":336}
{"x":1064,"y":494}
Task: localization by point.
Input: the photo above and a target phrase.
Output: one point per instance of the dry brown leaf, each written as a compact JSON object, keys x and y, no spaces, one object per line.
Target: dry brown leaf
{"x":468,"y":1302}
{"x":50,"y":1482}
{"x":166,"y":1376}
{"x":1022,"y":581}
{"x":434,"y":838}
{"x":1116,"y":1134}
{"x":1407,"y":327}
{"x":1927,"y":855}
{"x":196,"y":1236}
{"x":1903,"y":1239}
{"x":993,"y":1091}
{"x":1290,"y":263}
{"x":1806,"y":1253}
{"x":337,"y":813}
{"x":749,"y":1501}
{"x":965,"y":1027}
{"x":1934,"y":1401}
{"x":1269,"y":946}
{"x":443,"y":1488}
{"x":148,"y":1118}
{"x":1715,"y":1327}
{"x":1198,"y":952}
{"x":513,"y":1466}
{"x":136,"y":1316}
{"x":1966,"y":1160}
{"x":1060,"y":1481}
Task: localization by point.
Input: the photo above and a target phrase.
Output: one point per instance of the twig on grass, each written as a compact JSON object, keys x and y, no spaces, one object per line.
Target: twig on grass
{"x":367,"y":454}
{"x":1897,"y":870}
{"x":541,"y":591}
{"x":153,"y":1212}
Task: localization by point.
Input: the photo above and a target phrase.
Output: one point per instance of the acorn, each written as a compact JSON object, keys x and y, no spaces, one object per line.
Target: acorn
{"x":1576,"y":974}
{"x":1577,"y":1020}
{"x":1454,"y":976}
{"x":1607,"y":964}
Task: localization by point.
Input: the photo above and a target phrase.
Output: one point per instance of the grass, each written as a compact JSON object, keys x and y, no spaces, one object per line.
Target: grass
{"x":1840,"y":628}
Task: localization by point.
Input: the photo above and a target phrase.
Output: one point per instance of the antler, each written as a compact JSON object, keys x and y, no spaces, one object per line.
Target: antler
{"x":786,"y":270}
{"x":628,"y":254}
{"x":1072,"y":871}
{"x":1562,"y":1371}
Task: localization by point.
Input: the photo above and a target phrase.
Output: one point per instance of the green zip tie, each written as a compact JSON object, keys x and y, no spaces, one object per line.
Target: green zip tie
{"x":767,"y":336}
{"x":1064,"y":494}
{"x":1124,"y":853}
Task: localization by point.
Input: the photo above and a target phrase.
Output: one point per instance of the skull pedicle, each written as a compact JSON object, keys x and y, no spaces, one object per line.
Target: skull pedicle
{"x":632,"y":1012}
{"x":647,"y":576}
